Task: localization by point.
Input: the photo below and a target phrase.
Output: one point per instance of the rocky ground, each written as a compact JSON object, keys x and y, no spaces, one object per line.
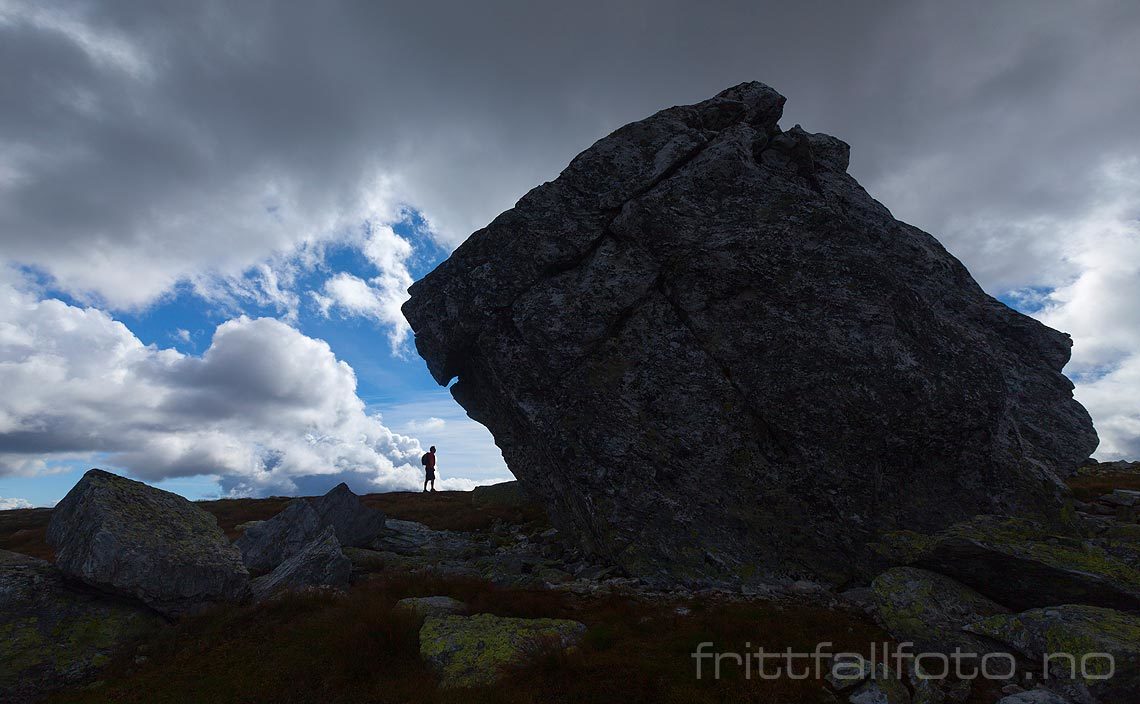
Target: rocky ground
{"x":473,"y":596}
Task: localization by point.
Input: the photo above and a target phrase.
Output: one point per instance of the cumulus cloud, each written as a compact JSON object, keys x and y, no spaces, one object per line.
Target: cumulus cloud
{"x":1098,"y":306}
{"x":264,"y":408}
{"x":430,"y":425}
{"x":379,"y":298}
{"x":9,"y":504}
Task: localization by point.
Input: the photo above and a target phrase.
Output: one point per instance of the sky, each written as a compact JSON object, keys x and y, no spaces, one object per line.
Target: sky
{"x":210,"y":212}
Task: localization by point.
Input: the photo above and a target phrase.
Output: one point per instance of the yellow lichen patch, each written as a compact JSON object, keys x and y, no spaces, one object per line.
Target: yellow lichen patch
{"x":475,"y":651}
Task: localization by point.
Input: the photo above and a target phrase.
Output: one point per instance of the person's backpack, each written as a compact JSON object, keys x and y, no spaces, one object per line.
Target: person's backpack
{"x":424,"y":459}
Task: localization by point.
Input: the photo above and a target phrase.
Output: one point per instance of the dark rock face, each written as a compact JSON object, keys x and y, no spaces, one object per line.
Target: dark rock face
{"x":126,"y":537}
{"x":712,"y":355}
{"x":54,"y":633}
{"x":321,"y":563}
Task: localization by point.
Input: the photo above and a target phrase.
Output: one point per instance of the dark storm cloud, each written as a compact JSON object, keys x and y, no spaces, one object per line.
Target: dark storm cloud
{"x":143,"y":143}
{"x":174,"y":128}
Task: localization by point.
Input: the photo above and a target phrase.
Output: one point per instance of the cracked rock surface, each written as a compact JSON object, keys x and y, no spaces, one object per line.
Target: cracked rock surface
{"x":714,"y":357}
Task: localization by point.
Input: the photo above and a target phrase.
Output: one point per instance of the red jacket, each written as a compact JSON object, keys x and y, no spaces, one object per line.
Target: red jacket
{"x":430,"y":460}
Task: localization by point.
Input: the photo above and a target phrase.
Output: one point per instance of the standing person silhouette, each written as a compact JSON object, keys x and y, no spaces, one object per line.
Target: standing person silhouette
{"x":428,"y":461}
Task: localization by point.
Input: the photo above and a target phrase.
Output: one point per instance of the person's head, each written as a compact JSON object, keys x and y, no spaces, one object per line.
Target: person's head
{"x":432,"y":449}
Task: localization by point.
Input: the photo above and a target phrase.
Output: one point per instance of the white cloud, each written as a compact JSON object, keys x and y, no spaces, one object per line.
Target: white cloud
{"x":431,"y":425}
{"x":379,"y":298}
{"x":9,"y":504}
{"x":1099,"y":307}
{"x":264,"y":408}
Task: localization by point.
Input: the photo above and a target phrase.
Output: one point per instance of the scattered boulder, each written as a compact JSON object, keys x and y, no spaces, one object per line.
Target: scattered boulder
{"x":507,"y":494}
{"x":355,"y":524}
{"x":1092,"y":468}
{"x":126,"y":537}
{"x":712,"y":303}
{"x":929,"y":610}
{"x":423,"y":606}
{"x":266,"y":544}
{"x":55,"y":633}
{"x":319,"y":564}
{"x":1075,"y":638}
{"x":472,"y":651}
{"x":1020,"y":563}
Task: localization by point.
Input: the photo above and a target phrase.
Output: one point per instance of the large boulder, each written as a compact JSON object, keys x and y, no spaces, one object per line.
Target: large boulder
{"x":126,"y":537}
{"x":712,"y":355}
{"x":473,"y":651}
{"x":55,"y":633}
{"x":320,"y":563}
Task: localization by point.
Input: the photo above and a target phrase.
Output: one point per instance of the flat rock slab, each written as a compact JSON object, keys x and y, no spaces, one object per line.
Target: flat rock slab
{"x":55,"y":633}
{"x":126,"y":537}
{"x":473,"y":651}
{"x":1021,"y":564}
{"x":1076,"y":631}
{"x":715,"y":359}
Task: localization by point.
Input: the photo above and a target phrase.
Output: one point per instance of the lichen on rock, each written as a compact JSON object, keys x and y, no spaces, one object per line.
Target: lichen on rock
{"x":471,"y":651}
{"x":1020,"y":563}
{"x":54,"y":633}
{"x":1076,"y":642}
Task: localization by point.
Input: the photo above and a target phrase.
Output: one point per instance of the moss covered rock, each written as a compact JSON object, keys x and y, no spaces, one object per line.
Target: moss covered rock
{"x":930,"y":609}
{"x":124,"y":536}
{"x":54,"y":633}
{"x":1020,"y":564}
{"x":1074,"y":640}
{"x":472,"y":651}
